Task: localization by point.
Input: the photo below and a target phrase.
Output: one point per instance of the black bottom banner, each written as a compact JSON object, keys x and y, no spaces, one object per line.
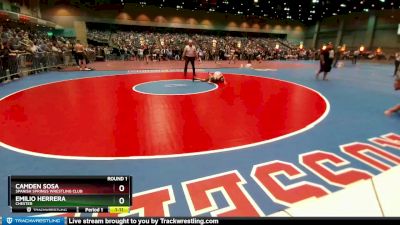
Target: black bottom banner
{"x":219,"y":221}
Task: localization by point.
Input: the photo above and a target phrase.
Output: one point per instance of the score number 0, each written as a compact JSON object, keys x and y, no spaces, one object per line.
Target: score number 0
{"x":121,"y":200}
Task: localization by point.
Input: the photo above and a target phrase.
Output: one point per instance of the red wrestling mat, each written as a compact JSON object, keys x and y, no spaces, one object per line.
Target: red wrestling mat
{"x":104,"y":117}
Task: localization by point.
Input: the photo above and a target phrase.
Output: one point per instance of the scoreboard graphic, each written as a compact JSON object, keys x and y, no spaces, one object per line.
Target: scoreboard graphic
{"x":86,"y":194}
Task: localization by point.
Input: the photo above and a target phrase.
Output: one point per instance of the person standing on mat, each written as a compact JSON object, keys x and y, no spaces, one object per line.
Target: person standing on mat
{"x":326,"y":60}
{"x":189,"y":55}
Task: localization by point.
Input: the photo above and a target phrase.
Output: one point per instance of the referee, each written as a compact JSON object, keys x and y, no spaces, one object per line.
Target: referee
{"x":189,"y":55}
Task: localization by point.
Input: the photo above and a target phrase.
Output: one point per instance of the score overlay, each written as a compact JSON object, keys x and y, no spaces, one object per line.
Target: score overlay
{"x":85,"y":194}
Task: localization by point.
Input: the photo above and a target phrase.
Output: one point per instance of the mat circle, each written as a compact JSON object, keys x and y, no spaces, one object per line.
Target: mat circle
{"x":174,"y":87}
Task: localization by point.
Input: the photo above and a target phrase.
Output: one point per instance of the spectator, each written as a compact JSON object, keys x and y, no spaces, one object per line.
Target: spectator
{"x":356,"y":53}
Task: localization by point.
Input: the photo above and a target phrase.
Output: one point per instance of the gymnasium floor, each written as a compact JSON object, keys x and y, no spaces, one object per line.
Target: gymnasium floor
{"x":269,"y":140}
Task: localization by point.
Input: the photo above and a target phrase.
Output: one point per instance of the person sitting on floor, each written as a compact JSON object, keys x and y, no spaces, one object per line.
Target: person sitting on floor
{"x":392,"y":110}
{"x":396,"y":108}
{"x":249,"y":65}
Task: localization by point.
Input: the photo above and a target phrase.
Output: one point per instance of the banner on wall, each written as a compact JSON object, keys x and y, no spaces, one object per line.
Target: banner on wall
{"x":69,"y":32}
